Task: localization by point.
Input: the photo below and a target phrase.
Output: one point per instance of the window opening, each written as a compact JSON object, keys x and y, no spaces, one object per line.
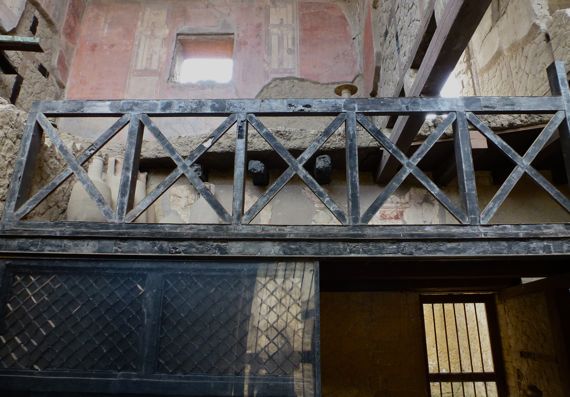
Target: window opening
{"x":203,"y":58}
{"x":460,"y":337}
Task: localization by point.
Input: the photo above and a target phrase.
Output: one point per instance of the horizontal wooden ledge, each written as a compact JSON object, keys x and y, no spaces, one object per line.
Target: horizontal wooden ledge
{"x":19,"y":246}
{"x":273,"y":232}
{"x":288,"y":107}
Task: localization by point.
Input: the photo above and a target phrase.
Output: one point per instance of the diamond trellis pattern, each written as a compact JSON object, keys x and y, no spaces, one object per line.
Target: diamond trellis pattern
{"x":204,"y":324}
{"x":253,"y":324}
{"x":282,"y":329}
{"x":243,"y":329}
{"x":72,"y":321}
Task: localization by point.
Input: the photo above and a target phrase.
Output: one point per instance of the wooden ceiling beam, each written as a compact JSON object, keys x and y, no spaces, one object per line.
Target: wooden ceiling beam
{"x":451,"y":37}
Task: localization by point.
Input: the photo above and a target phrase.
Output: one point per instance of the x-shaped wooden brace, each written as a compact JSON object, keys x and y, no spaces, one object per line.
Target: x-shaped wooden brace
{"x":183,"y":167}
{"x":296,"y":166}
{"x":409,"y":166}
{"x":74,"y":165}
{"x":101,"y":141}
{"x":523,"y":164}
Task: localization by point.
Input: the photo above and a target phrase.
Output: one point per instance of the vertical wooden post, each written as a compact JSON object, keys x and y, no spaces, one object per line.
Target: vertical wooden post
{"x":239,"y":169}
{"x":465,"y":169}
{"x":129,"y":174}
{"x":21,"y":182}
{"x":558,"y":80}
{"x":352,"y":177}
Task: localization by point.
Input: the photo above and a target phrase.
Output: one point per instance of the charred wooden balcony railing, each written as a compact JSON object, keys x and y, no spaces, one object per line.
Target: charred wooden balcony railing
{"x":138,"y":116}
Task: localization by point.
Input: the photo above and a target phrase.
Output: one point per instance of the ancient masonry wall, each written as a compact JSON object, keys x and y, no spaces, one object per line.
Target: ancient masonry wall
{"x":397,"y":29}
{"x":531,"y":347}
{"x":56,"y":23}
{"x":513,"y":45}
{"x":12,"y":125}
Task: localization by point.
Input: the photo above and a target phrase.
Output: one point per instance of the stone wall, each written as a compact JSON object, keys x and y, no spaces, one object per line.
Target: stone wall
{"x":49,"y":164}
{"x":512,"y":47}
{"x":12,"y":123}
{"x":44,"y":74}
{"x":532,"y":349}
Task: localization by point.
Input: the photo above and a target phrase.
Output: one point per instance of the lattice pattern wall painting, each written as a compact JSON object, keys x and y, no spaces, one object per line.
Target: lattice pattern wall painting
{"x":192,"y":328}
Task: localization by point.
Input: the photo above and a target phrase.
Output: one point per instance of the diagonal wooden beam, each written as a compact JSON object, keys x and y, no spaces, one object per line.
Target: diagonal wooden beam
{"x":163,"y":186}
{"x":523,"y":164}
{"x":409,"y":166}
{"x":186,"y":169}
{"x":450,"y":39}
{"x":293,"y":163}
{"x":285,"y":177}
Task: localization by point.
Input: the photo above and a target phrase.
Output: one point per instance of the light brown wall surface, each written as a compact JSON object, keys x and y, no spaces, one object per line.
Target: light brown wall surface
{"x":372,"y":345}
{"x":533,"y":350}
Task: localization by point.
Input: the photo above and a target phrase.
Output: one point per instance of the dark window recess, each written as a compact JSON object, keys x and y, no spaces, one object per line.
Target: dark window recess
{"x":34,"y":25}
{"x":42,"y":69}
{"x":461,"y":338}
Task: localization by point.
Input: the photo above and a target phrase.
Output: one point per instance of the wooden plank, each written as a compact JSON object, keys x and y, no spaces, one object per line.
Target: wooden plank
{"x":149,"y":344}
{"x":130,"y":171}
{"x":93,"y":231}
{"x":398,"y":247}
{"x":458,"y":23}
{"x":465,"y":169}
{"x":558,"y":80}
{"x":352,"y":175}
{"x":399,"y":178}
{"x":20,"y":43}
{"x":522,"y":166}
{"x":287,"y":107}
{"x":240,"y":160}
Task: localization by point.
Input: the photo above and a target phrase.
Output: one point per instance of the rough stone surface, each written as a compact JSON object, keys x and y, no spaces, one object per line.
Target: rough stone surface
{"x":560,"y":35}
{"x":513,"y":46}
{"x":531,"y":351}
{"x":398,"y":25}
{"x":57,"y":28}
{"x":12,"y":124}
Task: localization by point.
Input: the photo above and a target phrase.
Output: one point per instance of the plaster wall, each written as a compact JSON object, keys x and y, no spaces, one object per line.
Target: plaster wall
{"x":389,"y":359}
{"x":126,"y":48}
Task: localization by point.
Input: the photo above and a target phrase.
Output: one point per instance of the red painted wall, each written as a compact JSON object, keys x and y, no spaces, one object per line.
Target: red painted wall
{"x":125,"y":48}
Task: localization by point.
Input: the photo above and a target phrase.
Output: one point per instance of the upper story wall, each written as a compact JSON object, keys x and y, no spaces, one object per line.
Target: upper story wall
{"x":126,"y":49}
